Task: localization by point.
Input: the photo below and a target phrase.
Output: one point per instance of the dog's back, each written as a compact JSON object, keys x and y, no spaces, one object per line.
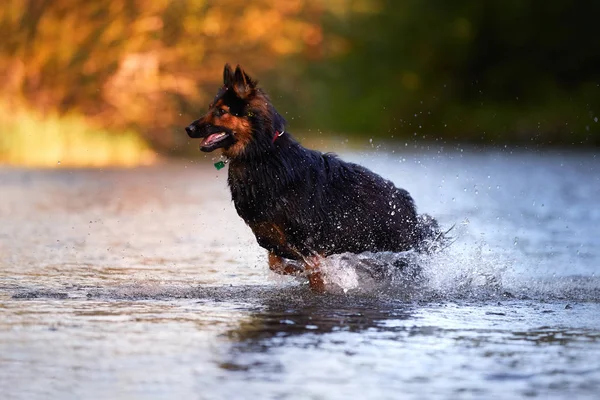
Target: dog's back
{"x":322,"y":205}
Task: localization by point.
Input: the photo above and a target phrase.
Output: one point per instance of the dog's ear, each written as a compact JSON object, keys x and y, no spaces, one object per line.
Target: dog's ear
{"x":242,"y":83}
{"x":227,"y":76}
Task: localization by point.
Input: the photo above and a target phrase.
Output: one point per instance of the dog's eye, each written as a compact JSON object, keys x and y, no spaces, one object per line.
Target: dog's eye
{"x":221,"y":111}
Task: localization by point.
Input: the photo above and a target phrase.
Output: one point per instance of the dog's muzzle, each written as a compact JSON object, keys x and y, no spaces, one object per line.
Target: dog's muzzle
{"x":193,"y":131}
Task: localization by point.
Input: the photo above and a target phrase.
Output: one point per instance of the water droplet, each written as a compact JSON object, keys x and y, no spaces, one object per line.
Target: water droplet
{"x":393,"y":213}
{"x":595,"y":119}
{"x":58,"y":162}
{"x":516,"y":241}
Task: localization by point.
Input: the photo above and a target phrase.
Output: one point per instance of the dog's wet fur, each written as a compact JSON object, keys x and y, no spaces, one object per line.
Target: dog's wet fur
{"x":302,"y":204}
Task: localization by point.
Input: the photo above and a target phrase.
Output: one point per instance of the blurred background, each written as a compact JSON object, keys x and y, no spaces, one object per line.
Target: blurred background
{"x":113,"y":82}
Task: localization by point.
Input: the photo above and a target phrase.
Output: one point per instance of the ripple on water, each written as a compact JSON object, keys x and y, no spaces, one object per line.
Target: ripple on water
{"x":145,"y":283}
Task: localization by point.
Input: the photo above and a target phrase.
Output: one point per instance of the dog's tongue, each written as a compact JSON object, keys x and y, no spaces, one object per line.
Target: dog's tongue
{"x":210,"y":139}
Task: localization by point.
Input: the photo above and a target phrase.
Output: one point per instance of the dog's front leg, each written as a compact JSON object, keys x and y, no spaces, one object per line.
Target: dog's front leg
{"x":313,"y":270}
{"x":280,"y":266}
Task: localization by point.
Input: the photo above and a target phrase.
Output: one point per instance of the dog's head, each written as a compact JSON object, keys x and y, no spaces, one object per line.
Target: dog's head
{"x":240,"y":119}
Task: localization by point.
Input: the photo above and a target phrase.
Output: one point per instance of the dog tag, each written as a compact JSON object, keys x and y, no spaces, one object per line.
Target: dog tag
{"x":219,"y":165}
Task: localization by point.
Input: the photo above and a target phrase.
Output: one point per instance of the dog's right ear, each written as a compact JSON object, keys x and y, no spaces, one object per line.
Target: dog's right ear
{"x":242,"y":83}
{"x":228,"y":76}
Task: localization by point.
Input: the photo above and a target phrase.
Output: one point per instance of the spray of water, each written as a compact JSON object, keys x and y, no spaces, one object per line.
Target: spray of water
{"x":460,"y":270}
{"x":468,"y":269}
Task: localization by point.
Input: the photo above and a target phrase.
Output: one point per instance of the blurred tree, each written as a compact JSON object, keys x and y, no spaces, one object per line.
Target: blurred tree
{"x":493,"y":71}
{"x":498,"y":70}
{"x":141,"y":64}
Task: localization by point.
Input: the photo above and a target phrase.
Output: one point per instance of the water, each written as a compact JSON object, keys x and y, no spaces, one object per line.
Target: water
{"x":144,"y":283}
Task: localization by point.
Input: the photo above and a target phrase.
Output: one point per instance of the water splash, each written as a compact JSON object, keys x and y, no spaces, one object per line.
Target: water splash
{"x":464,"y":269}
{"x":469,"y":269}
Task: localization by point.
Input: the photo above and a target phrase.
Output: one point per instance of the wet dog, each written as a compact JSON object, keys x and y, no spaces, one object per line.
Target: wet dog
{"x":302,"y":204}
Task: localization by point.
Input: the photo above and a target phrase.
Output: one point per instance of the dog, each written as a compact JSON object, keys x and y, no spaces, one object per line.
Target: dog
{"x":301,"y":204}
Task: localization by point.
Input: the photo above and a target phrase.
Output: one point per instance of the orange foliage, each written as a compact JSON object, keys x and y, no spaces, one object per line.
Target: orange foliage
{"x":143,"y":64}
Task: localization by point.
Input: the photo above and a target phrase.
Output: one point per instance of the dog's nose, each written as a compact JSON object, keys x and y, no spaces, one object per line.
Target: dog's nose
{"x":191,"y":130}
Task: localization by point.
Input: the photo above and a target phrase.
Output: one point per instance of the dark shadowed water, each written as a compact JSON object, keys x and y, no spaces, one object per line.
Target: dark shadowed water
{"x":144,"y":283}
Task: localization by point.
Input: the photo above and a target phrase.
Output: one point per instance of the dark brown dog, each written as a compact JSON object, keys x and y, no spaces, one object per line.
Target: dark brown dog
{"x":302,"y":204}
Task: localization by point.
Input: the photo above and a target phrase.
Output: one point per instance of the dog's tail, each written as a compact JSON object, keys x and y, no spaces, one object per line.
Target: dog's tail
{"x":431,"y":237}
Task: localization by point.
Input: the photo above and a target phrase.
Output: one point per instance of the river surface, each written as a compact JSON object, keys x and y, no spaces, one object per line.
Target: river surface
{"x":144,"y":284}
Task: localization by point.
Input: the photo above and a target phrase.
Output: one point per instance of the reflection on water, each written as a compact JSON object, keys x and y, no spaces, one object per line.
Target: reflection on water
{"x":376,"y":347}
{"x":143,"y":283}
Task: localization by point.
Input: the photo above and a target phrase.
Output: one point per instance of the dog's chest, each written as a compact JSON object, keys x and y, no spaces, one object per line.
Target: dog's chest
{"x":254,"y":195}
{"x":268,"y":233}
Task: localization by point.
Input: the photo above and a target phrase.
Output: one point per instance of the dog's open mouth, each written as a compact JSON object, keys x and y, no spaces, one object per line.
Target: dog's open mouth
{"x":214,"y":141}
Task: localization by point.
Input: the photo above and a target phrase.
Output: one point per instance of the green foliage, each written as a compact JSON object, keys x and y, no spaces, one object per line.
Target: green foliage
{"x":491,"y":71}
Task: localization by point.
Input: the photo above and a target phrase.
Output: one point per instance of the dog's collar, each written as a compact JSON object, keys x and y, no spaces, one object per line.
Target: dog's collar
{"x":277,"y":135}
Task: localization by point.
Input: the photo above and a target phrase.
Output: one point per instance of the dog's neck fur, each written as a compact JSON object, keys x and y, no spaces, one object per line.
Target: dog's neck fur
{"x":261,"y":179}
{"x":271,"y":161}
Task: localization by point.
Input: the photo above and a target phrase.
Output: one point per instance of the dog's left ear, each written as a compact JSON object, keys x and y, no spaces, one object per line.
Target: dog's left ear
{"x":227,"y":76}
{"x":242,"y":83}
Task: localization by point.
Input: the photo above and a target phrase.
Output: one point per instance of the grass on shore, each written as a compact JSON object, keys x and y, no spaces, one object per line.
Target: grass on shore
{"x":27,"y":138}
